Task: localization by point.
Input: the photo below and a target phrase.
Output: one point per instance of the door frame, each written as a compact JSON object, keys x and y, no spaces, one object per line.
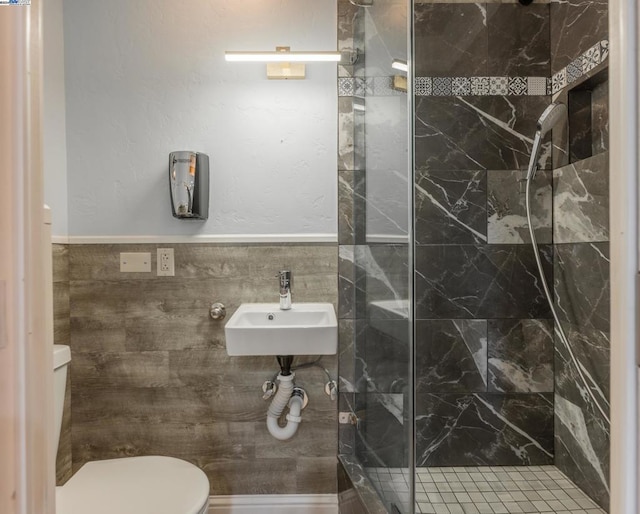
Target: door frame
{"x":624,"y":165}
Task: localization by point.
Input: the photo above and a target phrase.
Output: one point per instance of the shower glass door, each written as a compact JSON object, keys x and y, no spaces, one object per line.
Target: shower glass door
{"x":374,"y":98}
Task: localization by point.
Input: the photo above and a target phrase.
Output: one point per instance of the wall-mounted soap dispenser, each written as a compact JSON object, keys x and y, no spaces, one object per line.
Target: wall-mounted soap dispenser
{"x":189,"y":185}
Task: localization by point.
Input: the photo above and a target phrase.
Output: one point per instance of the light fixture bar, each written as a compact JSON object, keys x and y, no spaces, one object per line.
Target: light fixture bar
{"x":399,"y":64}
{"x":279,"y":56}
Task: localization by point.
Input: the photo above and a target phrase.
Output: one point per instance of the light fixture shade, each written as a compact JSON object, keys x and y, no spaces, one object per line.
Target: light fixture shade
{"x":400,"y":65}
{"x":280,"y":56}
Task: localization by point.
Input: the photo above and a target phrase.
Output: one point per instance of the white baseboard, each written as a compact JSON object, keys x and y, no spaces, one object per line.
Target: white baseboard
{"x":200,"y":239}
{"x":387,"y":238}
{"x":60,"y":240}
{"x":274,"y":504}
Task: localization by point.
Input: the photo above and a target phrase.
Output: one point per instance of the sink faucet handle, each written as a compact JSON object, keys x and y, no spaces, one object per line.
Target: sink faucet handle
{"x":285,"y":276}
{"x":285,"y":280}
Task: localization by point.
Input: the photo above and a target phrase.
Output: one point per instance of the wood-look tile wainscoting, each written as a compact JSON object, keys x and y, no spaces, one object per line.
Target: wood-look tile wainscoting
{"x":61,"y":321}
{"x":150,"y":373}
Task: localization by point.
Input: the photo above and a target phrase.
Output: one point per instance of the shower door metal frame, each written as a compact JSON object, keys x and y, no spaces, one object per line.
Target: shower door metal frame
{"x":624,"y":27}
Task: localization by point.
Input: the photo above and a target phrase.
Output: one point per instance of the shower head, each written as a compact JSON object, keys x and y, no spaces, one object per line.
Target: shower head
{"x":547,"y":120}
{"x":550,"y":117}
{"x":362,"y":3}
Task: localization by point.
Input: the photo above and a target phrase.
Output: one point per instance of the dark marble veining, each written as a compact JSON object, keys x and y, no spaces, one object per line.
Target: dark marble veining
{"x":381,"y":437}
{"x":450,"y":207}
{"x":350,"y":36}
{"x":346,"y":283}
{"x":356,"y":493}
{"x":351,"y":154}
{"x":383,"y":360}
{"x":576,"y":25}
{"x":600,"y":118}
{"x":518,"y":39}
{"x":581,"y":201}
{"x":450,"y":40}
{"x":581,"y":262}
{"x":484,"y":429}
{"x":582,"y":284}
{"x":582,"y":448}
{"x":382,"y":273}
{"x":521,"y":356}
{"x":582,"y":432}
{"x":491,"y":281}
{"x":346,"y":355}
{"x":351,"y":207}
{"x":591,"y":348}
{"x":506,"y":207}
{"x":451,"y":356}
{"x":471,"y":133}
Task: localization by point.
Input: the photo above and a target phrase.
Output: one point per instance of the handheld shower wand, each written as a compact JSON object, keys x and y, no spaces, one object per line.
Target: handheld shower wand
{"x":551,"y":116}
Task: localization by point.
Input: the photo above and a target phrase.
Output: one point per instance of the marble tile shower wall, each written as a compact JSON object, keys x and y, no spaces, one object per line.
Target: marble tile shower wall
{"x":150,"y":373}
{"x":581,"y":252}
{"x":484,"y":338}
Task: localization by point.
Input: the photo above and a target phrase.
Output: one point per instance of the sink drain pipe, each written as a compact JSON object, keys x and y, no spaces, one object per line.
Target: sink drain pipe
{"x":289,"y":395}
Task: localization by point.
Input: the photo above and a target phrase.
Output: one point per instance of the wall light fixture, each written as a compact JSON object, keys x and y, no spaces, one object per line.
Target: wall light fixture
{"x":283,"y":63}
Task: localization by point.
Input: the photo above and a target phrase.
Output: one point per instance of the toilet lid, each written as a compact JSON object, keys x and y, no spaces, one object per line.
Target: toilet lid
{"x":135,"y":485}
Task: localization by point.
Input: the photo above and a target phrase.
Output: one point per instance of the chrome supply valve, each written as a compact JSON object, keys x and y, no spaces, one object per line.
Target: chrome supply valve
{"x":217,"y":311}
{"x":269,"y":388}
{"x":331,"y":390}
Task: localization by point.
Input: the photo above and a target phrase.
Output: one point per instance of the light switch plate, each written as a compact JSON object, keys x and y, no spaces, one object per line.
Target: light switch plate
{"x":135,"y":262}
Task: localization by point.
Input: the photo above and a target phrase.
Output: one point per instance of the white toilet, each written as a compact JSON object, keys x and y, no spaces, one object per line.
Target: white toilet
{"x":134,"y":485}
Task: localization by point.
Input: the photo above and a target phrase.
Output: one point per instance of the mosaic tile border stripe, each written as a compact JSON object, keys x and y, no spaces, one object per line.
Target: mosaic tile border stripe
{"x":367,"y":86}
{"x":481,"y":86}
{"x":593,"y":57}
{"x":448,"y":86}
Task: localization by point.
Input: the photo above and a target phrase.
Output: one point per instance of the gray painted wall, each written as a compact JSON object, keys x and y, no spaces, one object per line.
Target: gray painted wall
{"x":148,"y":77}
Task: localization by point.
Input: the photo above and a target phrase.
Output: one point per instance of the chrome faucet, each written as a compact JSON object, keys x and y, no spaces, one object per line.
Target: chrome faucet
{"x":285,"y":289}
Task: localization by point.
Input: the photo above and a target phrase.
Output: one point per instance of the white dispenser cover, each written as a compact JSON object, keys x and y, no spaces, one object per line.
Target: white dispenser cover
{"x":135,"y":485}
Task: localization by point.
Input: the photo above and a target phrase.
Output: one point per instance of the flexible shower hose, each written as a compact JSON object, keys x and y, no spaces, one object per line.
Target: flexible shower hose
{"x":536,"y":252}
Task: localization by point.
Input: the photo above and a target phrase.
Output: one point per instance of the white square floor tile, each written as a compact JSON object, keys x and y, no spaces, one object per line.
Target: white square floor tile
{"x":490,"y":490}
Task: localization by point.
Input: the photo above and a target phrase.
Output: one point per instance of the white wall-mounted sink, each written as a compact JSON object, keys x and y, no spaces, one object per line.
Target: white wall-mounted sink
{"x":264,"y":329}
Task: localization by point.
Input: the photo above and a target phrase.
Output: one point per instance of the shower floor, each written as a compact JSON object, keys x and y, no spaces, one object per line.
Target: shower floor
{"x":489,"y":489}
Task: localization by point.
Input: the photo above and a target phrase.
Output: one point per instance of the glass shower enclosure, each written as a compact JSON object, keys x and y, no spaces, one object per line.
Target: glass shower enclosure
{"x":375,"y":231}
{"x":509,"y":416}
{"x":456,"y":392}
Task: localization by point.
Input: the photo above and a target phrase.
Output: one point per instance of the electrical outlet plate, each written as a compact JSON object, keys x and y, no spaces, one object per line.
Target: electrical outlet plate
{"x":135,"y":262}
{"x":166,"y":262}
